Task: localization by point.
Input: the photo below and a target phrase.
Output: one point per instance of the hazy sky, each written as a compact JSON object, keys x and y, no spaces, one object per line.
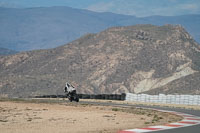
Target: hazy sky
{"x":129,"y":7}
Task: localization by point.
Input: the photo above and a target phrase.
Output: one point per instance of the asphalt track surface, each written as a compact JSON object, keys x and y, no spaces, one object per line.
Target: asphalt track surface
{"x":190,"y":129}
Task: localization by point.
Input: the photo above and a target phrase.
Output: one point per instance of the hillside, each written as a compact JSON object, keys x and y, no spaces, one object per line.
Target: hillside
{"x":49,"y":27}
{"x":137,"y":59}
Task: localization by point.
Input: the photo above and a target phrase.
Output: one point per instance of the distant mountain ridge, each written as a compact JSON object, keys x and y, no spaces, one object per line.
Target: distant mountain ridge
{"x":4,"y":51}
{"x":137,"y":59}
{"x":49,"y":27}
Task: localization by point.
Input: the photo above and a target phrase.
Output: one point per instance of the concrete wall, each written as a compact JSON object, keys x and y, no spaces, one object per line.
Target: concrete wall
{"x":168,"y":99}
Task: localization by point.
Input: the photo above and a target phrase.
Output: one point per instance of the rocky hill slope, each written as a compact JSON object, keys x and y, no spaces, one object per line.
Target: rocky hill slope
{"x":137,"y":59}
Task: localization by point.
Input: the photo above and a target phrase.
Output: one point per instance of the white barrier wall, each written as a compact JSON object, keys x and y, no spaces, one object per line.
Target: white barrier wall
{"x":161,"y":98}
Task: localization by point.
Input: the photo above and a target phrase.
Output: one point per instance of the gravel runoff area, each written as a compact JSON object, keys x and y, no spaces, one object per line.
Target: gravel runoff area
{"x":61,"y":116}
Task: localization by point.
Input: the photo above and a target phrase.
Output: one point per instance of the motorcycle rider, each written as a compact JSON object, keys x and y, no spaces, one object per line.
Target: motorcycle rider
{"x":69,"y":89}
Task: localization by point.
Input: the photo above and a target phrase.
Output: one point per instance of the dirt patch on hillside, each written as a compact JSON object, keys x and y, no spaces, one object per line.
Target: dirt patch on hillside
{"x":23,"y":117}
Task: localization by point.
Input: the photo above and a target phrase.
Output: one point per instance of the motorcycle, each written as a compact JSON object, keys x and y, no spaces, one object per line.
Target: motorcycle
{"x":73,"y":97}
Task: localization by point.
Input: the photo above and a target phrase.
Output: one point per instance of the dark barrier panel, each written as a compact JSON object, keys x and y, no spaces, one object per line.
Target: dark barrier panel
{"x":90,"y":96}
{"x":123,"y":96}
{"x":106,"y":96}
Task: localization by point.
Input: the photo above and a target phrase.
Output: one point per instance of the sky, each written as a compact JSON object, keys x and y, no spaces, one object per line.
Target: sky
{"x":139,"y":8}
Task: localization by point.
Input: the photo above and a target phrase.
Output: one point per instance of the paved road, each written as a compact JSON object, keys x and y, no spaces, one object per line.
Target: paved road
{"x":190,"y":129}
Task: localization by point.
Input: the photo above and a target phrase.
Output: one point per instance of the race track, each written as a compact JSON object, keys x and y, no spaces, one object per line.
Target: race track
{"x":188,"y":129}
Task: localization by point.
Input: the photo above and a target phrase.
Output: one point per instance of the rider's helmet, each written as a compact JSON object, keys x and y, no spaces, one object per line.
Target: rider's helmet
{"x":67,"y":84}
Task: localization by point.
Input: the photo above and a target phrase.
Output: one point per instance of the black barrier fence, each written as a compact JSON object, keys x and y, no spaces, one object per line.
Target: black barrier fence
{"x":90,"y":96}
